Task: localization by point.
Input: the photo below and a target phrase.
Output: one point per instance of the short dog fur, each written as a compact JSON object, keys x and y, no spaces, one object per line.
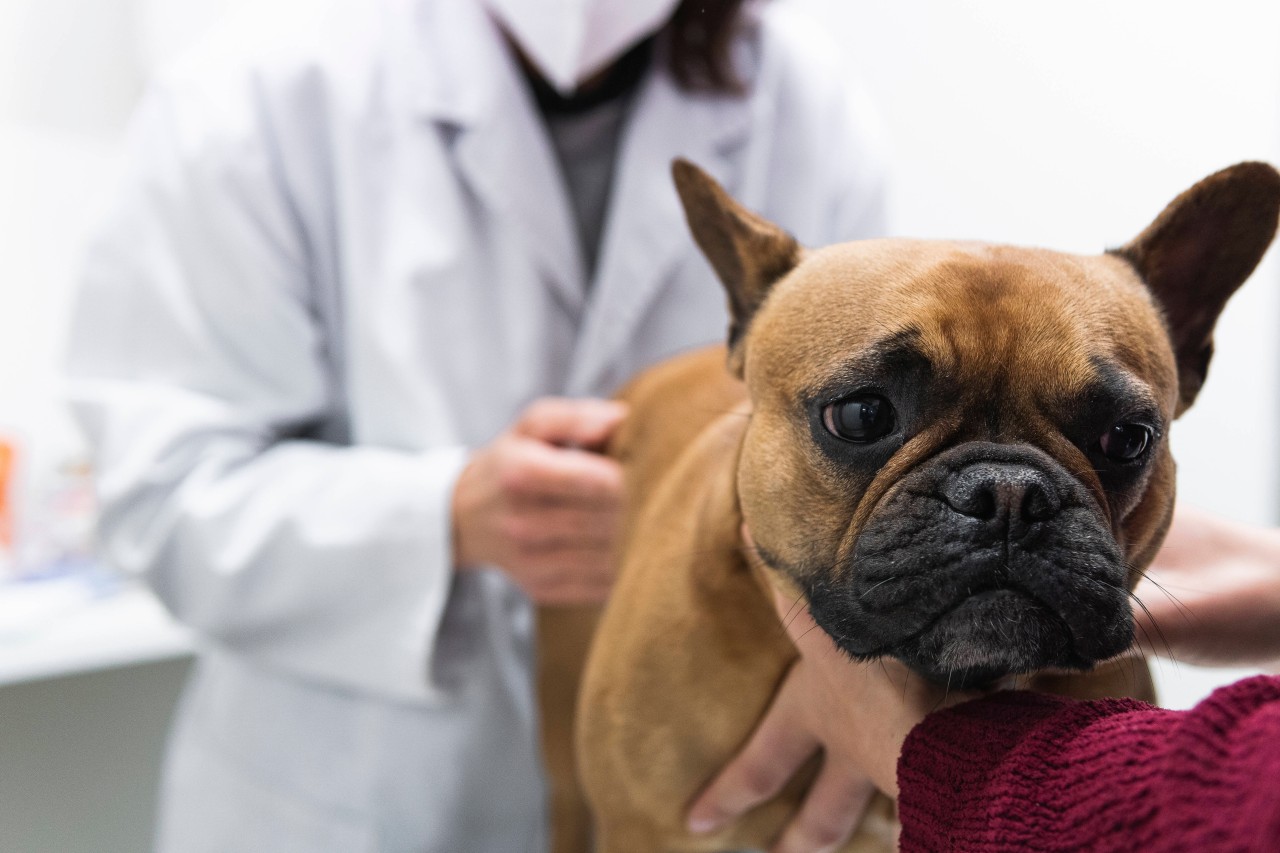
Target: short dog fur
{"x":956,"y":452}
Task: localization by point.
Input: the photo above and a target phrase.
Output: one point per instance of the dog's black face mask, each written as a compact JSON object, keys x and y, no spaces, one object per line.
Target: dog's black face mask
{"x":986,"y":561}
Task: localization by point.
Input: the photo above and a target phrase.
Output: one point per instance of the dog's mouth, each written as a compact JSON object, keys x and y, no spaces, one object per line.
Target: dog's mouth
{"x":977,"y":638}
{"x":988,"y":636}
{"x":988,"y":561}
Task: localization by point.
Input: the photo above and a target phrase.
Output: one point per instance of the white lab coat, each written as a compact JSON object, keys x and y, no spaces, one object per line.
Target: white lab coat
{"x":335,"y":265}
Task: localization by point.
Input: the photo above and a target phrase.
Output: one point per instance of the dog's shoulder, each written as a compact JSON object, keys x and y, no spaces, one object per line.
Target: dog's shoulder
{"x":670,"y":405}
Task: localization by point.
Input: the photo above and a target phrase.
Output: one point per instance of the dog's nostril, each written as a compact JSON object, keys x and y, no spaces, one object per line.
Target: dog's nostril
{"x":989,"y":490}
{"x":1039,"y":504}
{"x":972,"y":499}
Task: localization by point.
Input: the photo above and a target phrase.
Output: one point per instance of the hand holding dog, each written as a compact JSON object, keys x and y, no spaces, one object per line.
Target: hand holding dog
{"x":539,"y":502}
{"x":858,"y":714}
{"x":1212,"y":597}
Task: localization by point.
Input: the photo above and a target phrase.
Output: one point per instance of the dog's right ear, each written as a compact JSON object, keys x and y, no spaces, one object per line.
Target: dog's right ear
{"x":748,"y":252}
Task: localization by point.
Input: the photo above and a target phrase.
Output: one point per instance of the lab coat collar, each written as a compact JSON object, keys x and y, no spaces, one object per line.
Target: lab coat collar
{"x":471,"y":83}
{"x":646,"y":235}
{"x":473,"y":86}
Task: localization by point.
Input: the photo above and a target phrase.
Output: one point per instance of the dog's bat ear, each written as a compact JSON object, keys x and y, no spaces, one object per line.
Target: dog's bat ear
{"x":747,"y":252}
{"x":1198,"y":251}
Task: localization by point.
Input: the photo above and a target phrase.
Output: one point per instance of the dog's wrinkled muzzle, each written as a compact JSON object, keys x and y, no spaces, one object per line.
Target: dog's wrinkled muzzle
{"x":987,"y":561}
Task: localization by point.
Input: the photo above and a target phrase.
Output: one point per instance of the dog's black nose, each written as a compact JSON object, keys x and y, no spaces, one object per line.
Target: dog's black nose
{"x":1011,"y":494}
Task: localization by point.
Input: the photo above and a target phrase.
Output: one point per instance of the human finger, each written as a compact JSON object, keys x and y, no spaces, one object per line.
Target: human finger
{"x":539,"y":471}
{"x":831,"y":811}
{"x":579,"y":592}
{"x":539,"y":527}
{"x":567,"y":562}
{"x":569,"y":422}
{"x":566,"y":576}
{"x":777,"y":748}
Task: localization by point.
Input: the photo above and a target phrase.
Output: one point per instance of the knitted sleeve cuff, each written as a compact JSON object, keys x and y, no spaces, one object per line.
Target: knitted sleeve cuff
{"x":1021,"y":771}
{"x":985,"y":775}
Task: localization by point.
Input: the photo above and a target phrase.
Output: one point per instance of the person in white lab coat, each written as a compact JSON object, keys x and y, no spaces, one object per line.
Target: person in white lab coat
{"x":312,"y":349}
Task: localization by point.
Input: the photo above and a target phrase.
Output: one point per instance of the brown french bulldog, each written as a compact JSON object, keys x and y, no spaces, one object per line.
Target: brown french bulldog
{"x":957,"y":452}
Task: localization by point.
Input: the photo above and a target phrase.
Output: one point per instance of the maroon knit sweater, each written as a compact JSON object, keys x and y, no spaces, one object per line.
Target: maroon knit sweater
{"x":1021,"y":771}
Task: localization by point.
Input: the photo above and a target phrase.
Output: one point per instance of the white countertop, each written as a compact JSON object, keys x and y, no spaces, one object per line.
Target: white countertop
{"x":76,"y":624}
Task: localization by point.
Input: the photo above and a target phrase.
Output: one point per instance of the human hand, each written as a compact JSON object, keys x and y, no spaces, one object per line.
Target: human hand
{"x":539,"y":502}
{"x":1212,"y":595}
{"x":858,"y":714}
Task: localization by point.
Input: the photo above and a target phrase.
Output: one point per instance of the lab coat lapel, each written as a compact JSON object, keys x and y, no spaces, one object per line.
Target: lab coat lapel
{"x":646,"y":235}
{"x":501,"y":146}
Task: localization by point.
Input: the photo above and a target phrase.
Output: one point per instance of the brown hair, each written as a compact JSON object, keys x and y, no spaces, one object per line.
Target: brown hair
{"x":701,"y":36}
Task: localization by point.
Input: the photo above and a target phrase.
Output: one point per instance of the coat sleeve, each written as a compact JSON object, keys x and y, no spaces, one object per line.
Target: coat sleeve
{"x":196,"y":364}
{"x":1020,"y":771}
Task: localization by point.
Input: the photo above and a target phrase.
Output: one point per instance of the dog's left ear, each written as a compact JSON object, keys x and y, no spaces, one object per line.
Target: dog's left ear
{"x":1198,"y":251}
{"x":748,"y":253}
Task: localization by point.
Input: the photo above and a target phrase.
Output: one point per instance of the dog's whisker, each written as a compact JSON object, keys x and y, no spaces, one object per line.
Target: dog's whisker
{"x":1183,"y":609}
{"x":878,"y":584}
{"x":1135,"y":664}
{"x":794,"y":604}
{"x":806,"y":633}
{"x":1145,"y":640}
{"x":1142,"y":605}
{"x":790,"y":617}
{"x":1159,"y":632}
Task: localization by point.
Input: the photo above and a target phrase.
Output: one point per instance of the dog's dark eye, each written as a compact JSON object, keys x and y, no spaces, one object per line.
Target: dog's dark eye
{"x":1125,"y":442}
{"x":862,"y":418}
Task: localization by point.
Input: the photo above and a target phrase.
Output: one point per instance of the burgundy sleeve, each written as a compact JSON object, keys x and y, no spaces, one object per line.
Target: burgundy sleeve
{"x":1022,"y":771}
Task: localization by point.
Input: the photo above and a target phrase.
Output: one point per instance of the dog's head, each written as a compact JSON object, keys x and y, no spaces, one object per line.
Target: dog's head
{"x":960,"y":451}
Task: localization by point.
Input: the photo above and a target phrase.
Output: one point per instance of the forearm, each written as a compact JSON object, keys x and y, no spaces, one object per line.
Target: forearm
{"x":331,"y":562}
{"x":1020,"y":771}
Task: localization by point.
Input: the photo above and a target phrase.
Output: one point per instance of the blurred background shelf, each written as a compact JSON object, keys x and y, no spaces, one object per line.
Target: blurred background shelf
{"x":79,"y":624}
